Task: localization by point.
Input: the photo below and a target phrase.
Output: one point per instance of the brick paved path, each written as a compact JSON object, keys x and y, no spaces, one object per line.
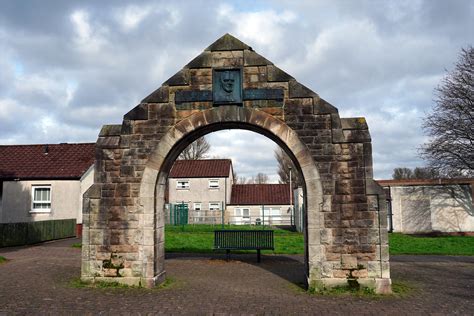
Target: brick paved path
{"x":37,"y":280}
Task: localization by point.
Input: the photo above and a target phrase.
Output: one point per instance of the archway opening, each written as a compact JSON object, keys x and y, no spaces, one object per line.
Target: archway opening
{"x":175,"y":194}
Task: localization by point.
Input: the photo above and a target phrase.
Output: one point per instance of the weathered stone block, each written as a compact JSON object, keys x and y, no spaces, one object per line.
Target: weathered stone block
{"x":227,"y":59}
{"x":181,"y":78}
{"x":251,"y":58}
{"x":140,"y":112}
{"x":127,"y":216}
{"x":226,"y":43}
{"x":203,"y":60}
{"x":348,"y":261}
{"x":160,"y":95}
{"x":275,"y":74}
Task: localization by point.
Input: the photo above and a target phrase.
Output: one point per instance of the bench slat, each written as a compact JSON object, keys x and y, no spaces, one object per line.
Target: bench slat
{"x":243,"y":239}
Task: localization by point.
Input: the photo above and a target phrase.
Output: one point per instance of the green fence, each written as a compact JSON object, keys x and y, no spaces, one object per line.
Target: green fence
{"x":179,"y":214}
{"x":18,"y":234}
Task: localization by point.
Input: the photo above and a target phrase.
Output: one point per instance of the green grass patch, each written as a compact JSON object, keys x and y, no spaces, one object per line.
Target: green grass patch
{"x":200,"y":239}
{"x":429,"y":245}
{"x":399,"y":289}
{"x":402,"y":288}
{"x":3,"y":259}
{"x":77,"y":245}
{"x":344,"y":290}
{"x":79,"y":284}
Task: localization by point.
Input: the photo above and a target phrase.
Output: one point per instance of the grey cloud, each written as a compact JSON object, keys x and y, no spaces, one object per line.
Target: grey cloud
{"x":375,"y":59}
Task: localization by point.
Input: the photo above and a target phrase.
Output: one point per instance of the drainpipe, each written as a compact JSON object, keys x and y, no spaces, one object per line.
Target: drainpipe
{"x":291,"y":201}
{"x":225,"y":201}
{"x":389,"y":210}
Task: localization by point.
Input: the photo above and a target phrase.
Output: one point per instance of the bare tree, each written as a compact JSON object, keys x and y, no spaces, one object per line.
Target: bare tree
{"x":284,"y":165}
{"x":417,"y":173}
{"x":197,"y":150}
{"x":240,"y":180}
{"x":450,"y":125}
{"x":260,"y":178}
{"x":425,"y":173}
{"x":402,"y":173}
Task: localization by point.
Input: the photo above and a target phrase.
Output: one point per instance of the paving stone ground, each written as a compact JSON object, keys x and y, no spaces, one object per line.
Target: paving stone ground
{"x":37,"y":280}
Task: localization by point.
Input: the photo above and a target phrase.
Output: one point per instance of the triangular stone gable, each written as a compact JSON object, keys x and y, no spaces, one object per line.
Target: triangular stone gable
{"x":345,"y":208}
{"x":245,"y":56}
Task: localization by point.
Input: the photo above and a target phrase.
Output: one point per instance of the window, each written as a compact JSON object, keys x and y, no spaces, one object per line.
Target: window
{"x":242,"y":212}
{"x":197,"y":206}
{"x":41,"y":199}
{"x":182,"y":184}
{"x":214,"y":206}
{"x":213,"y":184}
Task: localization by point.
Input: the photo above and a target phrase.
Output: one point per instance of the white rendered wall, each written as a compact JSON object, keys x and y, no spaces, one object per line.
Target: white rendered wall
{"x":436,"y":208}
{"x":17,"y":201}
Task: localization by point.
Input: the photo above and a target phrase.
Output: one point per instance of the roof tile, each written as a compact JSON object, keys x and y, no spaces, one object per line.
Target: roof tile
{"x":46,"y":161}
{"x":201,"y":168}
{"x":260,"y":194}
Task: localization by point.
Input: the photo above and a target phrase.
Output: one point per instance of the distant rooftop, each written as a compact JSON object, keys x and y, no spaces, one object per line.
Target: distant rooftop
{"x":201,"y":168}
{"x":412,"y":182}
{"x":45,"y":161}
{"x":260,"y":194}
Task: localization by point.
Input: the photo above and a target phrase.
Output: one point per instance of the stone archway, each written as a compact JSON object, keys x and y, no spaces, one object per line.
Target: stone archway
{"x":225,"y":117}
{"x":123,"y":218}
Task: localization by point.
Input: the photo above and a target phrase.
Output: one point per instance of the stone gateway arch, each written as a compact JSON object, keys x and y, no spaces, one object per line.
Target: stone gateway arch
{"x":231,"y":86}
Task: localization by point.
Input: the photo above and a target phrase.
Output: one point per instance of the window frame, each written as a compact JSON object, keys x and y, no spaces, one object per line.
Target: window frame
{"x":213,"y":187}
{"x":178,"y":187}
{"x":239,"y":212}
{"x":218,"y":206}
{"x":33,"y":201}
{"x":200,"y":206}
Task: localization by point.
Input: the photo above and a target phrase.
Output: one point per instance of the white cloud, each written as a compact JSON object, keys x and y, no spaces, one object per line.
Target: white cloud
{"x":89,"y":63}
{"x":89,"y":38}
{"x":131,"y":16}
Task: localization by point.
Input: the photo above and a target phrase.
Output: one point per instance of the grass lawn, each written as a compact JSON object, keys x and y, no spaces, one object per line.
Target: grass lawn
{"x":421,"y":245}
{"x":200,"y":238}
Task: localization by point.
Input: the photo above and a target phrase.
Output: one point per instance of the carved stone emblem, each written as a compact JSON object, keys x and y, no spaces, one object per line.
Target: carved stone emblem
{"x":227,"y":86}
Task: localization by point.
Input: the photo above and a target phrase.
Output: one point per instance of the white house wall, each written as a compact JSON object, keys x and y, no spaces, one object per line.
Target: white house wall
{"x":86,"y":181}
{"x":437,"y":208}
{"x":199,"y":191}
{"x":255,"y":212}
{"x":16,"y":202}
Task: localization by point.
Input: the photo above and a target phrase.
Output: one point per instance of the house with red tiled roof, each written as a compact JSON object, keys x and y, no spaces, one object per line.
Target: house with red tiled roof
{"x":44,"y":182}
{"x":260,"y":204}
{"x":205,"y":189}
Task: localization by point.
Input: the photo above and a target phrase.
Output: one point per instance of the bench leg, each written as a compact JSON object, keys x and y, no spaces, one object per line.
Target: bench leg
{"x":258,"y":255}
{"x":227,"y":252}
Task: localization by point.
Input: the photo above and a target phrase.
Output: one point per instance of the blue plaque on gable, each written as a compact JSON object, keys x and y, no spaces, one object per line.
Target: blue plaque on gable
{"x":227,"y":86}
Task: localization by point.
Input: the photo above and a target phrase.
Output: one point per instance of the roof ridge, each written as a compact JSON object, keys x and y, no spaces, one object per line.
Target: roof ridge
{"x":203,"y":159}
{"x":55,"y":144}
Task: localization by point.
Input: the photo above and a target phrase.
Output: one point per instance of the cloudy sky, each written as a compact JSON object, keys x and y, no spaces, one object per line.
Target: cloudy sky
{"x":68,"y":67}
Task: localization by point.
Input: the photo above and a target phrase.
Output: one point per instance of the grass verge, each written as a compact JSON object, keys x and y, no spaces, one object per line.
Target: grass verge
{"x":79,"y":284}
{"x":77,"y":245}
{"x":200,"y":239}
{"x":399,"y":289}
{"x":429,"y":245}
{"x":3,"y":259}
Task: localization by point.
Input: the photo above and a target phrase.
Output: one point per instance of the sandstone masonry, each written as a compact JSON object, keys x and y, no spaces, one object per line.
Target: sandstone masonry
{"x":123,"y":237}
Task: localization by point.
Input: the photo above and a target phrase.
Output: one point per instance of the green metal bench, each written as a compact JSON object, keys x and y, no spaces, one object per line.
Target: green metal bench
{"x":243,"y":240}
